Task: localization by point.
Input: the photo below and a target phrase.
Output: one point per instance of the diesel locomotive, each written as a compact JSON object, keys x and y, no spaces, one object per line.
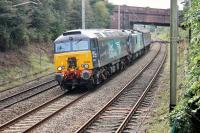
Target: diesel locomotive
{"x":89,"y":57}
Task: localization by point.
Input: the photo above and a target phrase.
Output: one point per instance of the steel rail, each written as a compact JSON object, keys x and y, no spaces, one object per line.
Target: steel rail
{"x":12,"y":122}
{"x":25,"y":91}
{"x":10,"y":88}
{"x":56,"y":112}
{"x":135,"y":107}
{"x":91,"y":120}
{"x":31,"y":112}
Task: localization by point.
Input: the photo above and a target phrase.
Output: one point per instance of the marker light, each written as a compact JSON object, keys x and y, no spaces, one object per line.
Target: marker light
{"x":86,"y":66}
{"x":60,"y":68}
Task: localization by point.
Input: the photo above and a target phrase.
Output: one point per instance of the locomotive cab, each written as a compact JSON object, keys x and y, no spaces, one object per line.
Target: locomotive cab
{"x":74,"y":58}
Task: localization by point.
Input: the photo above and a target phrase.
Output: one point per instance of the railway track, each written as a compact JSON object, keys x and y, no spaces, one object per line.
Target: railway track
{"x":141,"y":114}
{"x":35,"y":117}
{"x":27,"y":82}
{"x":38,"y":115}
{"x":117,"y":113}
{"x":27,"y":93}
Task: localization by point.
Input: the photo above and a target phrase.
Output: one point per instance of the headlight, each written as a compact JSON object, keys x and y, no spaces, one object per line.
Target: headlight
{"x":85,"y":66}
{"x":60,"y":68}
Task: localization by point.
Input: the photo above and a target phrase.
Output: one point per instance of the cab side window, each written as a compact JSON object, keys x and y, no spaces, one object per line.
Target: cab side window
{"x":93,"y":45}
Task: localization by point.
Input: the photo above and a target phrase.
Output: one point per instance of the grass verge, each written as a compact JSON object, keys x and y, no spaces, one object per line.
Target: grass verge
{"x":25,"y":65}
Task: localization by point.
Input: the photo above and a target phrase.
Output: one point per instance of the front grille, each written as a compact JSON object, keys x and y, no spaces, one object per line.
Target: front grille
{"x":72,"y":62}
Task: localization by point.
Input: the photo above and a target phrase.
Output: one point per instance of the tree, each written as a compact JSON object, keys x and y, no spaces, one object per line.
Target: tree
{"x":38,"y":23}
{"x":74,"y":14}
{"x":102,"y":16}
{"x":90,"y":16}
{"x":13,"y":30}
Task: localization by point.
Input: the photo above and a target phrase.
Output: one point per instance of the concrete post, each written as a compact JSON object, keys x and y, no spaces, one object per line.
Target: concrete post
{"x":173,"y":53}
{"x":119,"y":15}
{"x":83,"y":14}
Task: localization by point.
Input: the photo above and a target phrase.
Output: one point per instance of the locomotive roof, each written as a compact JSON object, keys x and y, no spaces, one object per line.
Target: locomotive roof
{"x":92,"y":33}
{"x":142,"y":30}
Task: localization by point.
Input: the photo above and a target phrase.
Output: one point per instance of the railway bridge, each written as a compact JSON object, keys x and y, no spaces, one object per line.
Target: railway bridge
{"x":130,"y":15}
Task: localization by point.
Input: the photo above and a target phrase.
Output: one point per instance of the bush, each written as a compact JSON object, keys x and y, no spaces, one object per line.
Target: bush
{"x":186,"y":116}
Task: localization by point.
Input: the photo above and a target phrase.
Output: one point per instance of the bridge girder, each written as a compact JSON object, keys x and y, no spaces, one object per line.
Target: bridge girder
{"x":140,"y":15}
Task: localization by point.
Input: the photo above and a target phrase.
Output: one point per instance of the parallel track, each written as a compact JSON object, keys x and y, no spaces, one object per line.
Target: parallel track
{"x":141,"y":114}
{"x":114,"y":116}
{"x":38,"y":115}
{"x":25,"y":82}
{"x":25,"y":94}
{"x":142,"y":101}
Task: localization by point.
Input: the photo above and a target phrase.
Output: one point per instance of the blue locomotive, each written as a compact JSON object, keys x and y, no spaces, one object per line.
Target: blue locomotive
{"x":89,"y":57}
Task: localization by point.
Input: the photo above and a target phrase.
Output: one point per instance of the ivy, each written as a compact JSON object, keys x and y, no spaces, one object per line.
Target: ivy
{"x":186,"y":116}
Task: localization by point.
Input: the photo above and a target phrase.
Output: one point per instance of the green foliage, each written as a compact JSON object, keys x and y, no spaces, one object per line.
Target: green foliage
{"x":13,"y":31}
{"x":162,"y":33}
{"x":102,"y":15}
{"x":186,"y":116}
{"x":20,"y":25}
{"x":74,"y":16}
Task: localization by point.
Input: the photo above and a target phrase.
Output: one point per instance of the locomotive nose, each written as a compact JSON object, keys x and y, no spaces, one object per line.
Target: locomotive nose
{"x":77,"y":60}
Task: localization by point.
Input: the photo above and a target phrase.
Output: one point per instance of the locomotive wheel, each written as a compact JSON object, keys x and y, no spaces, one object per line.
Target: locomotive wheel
{"x":122,"y":66}
{"x":66,"y":87}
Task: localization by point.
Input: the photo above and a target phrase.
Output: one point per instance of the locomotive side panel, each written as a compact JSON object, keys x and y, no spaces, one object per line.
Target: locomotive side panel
{"x":139,"y":42}
{"x":131,"y":43}
{"x":111,"y":50}
{"x":146,"y":38}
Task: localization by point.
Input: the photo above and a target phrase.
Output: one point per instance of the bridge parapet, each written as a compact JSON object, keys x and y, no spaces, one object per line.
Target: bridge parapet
{"x":130,"y":15}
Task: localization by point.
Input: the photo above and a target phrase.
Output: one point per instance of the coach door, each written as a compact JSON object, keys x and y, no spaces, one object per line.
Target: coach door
{"x":94,"y":49}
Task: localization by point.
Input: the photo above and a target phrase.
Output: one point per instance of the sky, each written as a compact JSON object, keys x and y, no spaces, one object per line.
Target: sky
{"x":163,"y":4}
